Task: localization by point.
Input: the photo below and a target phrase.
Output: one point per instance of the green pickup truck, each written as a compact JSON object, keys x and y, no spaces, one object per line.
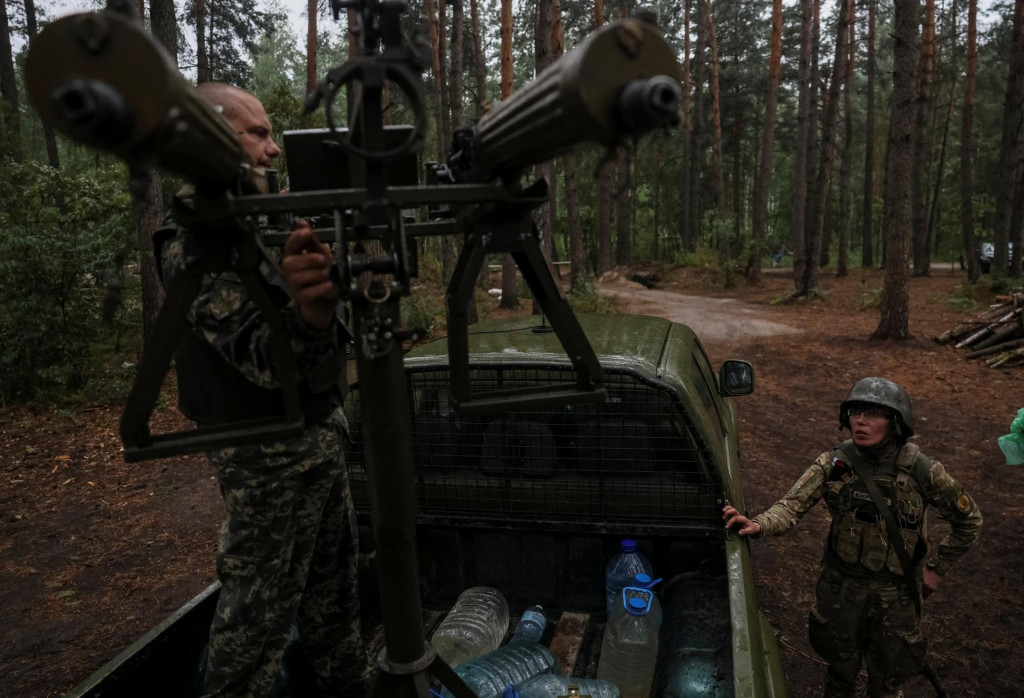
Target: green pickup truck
{"x":535,"y":503}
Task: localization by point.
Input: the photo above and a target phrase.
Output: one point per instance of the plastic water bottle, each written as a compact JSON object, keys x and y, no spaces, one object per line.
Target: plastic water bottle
{"x":621,"y":571}
{"x":476,"y":625}
{"x":640,"y":581}
{"x":552,"y":686}
{"x":630,"y":648}
{"x":521,"y":659}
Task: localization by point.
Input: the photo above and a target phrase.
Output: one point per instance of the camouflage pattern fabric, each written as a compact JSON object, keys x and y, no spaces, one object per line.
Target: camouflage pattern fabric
{"x":936,"y":488}
{"x":288,"y":554}
{"x":862,"y":620}
{"x":289,"y":541}
{"x":223,"y":315}
{"x":863,"y":610}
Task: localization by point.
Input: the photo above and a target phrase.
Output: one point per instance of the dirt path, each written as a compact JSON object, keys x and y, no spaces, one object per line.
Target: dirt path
{"x":712,"y":319}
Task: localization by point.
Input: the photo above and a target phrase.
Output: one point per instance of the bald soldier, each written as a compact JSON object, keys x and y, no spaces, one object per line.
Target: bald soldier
{"x":868,"y":606}
{"x":288,"y":546}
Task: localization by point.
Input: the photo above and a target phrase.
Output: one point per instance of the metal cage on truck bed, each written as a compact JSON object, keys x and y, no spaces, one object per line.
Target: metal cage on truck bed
{"x":534,"y":502}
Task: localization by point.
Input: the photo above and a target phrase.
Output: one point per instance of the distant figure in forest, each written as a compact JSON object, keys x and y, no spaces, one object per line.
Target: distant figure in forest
{"x":877,"y":487}
{"x":288,"y":547}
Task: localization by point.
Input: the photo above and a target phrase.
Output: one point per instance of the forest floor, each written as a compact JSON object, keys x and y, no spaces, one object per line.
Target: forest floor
{"x":94,"y":552}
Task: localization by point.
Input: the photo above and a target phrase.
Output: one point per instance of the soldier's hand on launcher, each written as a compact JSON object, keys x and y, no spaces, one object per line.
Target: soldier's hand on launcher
{"x":744,"y":526}
{"x":306,"y":266}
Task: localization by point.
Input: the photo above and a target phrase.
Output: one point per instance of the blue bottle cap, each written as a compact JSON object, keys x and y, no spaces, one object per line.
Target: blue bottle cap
{"x":510,"y":692}
{"x":643,"y":580}
{"x":637,"y":601}
{"x":628,"y":545}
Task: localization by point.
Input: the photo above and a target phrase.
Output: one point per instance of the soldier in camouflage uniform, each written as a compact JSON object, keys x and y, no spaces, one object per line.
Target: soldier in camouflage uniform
{"x":864,"y":611}
{"x":288,"y":548}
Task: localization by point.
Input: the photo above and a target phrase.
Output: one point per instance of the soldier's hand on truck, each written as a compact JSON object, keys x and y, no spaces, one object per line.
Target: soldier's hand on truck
{"x":306,"y":266}
{"x":738,"y":522}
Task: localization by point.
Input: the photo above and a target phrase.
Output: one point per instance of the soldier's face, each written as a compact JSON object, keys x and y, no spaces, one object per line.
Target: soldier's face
{"x":254,"y":131}
{"x":869,"y":427}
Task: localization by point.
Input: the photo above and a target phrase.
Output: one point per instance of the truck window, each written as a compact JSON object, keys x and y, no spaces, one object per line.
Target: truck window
{"x":634,"y":458}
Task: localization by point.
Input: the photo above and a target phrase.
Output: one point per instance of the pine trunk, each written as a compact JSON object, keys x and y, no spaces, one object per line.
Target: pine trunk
{"x":10,"y":139}
{"x":895,"y":306}
{"x":814,"y":191}
{"x":509,"y":289}
{"x":146,"y":186}
{"x":49,"y":137}
{"x":435,"y":58}
{"x":203,"y":73}
{"x":867,"y":213}
{"x":800,"y":161}
{"x":623,"y":250}
{"x":926,"y":69}
{"x":311,"y":6}
{"x":685,"y":231}
{"x":604,"y":187}
{"x":479,"y":66}
{"x":933,"y":209}
{"x":762,"y":184}
{"x":716,"y":117}
{"x":843,"y":262}
{"x":1011,"y":147}
{"x":828,"y":149}
{"x":696,"y":146}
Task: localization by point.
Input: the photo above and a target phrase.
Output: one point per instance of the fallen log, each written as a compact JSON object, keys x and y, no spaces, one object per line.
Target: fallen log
{"x":967,"y":327}
{"x":1009,"y":317}
{"x":1003,"y":334}
{"x":996,"y":349}
{"x":1012,"y":357}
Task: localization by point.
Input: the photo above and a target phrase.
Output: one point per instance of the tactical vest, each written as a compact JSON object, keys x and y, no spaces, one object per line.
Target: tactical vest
{"x":858,"y":536}
{"x":211,"y":391}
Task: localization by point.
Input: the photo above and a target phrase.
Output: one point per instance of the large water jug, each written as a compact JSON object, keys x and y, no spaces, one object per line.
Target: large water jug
{"x":554,"y":686}
{"x":640,"y":581}
{"x":695,"y":643}
{"x":475,"y":625}
{"x":621,"y":571}
{"x":629,"y":649}
{"x":521,"y":659}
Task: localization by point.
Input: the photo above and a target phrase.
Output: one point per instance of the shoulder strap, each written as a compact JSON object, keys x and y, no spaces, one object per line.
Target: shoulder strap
{"x":895,"y":538}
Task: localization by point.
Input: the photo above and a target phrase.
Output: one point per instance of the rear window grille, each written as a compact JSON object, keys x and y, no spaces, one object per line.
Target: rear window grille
{"x":634,"y":458}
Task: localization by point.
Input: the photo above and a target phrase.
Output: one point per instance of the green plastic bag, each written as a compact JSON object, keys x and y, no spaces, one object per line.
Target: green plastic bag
{"x":1012,"y":444}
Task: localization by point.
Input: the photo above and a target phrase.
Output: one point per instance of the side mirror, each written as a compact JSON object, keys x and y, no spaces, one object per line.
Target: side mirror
{"x":736,"y":378}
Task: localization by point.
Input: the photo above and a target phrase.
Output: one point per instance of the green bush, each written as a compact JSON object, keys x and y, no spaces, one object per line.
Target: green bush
{"x":584,"y":297}
{"x":60,"y":234}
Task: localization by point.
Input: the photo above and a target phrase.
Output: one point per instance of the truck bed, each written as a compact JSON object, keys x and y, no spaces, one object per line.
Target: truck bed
{"x":695,"y":657}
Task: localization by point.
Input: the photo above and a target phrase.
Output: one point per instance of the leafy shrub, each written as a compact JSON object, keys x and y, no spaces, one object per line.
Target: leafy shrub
{"x":584,"y":297}
{"x":60,"y":233}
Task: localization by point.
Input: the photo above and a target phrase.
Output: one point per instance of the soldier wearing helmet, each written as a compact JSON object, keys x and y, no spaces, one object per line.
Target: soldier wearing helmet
{"x":864,"y":611}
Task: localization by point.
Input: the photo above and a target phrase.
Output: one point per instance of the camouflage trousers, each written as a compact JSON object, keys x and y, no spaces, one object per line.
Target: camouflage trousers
{"x":867,"y":621}
{"x":288,"y":557}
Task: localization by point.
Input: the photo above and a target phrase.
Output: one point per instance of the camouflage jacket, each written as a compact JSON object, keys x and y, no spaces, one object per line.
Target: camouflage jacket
{"x":858,"y":536}
{"x":226,"y":318}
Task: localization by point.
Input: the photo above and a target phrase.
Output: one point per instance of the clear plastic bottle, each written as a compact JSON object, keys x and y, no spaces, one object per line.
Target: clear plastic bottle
{"x":621,"y":571}
{"x":630,"y":649}
{"x":552,"y":685}
{"x":641,"y":581}
{"x":475,"y":625}
{"x":521,"y":659}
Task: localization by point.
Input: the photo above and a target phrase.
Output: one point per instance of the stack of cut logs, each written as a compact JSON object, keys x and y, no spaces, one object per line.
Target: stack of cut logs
{"x":997,"y":336}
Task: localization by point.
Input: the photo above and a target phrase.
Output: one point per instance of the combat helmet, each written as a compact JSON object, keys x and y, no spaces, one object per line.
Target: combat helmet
{"x":884,"y":392}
